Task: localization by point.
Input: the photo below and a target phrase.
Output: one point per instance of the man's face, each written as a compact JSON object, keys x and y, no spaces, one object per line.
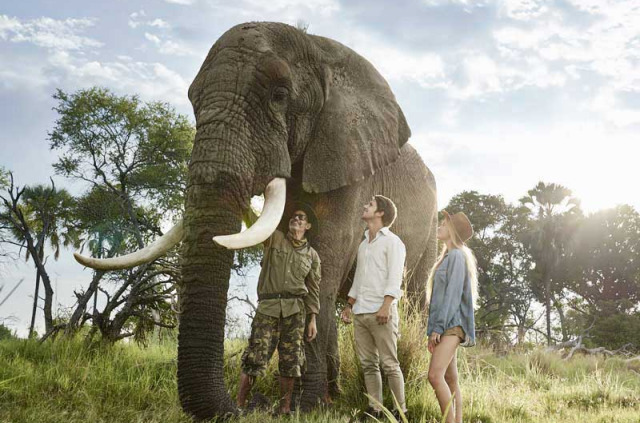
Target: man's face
{"x":299,"y":221}
{"x":370,"y":210}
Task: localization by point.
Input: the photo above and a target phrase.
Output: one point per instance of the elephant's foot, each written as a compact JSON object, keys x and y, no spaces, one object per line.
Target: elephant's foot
{"x":313,"y":392}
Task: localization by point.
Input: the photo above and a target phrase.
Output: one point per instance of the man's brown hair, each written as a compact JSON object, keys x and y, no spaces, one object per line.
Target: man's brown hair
{"x":384,"y":204}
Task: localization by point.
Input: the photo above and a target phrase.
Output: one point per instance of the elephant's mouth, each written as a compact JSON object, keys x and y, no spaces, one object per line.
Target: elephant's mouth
{"x":274,"y":196}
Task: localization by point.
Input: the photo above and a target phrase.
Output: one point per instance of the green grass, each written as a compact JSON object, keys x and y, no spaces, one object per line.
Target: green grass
{"x":68,"y":381}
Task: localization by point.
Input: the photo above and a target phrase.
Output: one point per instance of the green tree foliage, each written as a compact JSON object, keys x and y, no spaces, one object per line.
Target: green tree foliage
{"x":4,"y":177}
{"x":554,"y":216}
{"x":603,"y":271}
{"x":134,"y":150}
{"x":133,"y":156}
{"x":5,"y":332}
{"x":603,"y":264}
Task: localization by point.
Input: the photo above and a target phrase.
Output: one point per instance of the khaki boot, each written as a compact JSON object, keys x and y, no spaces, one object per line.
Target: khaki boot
{"x":244,"y":387}
{"x":286,"y":390}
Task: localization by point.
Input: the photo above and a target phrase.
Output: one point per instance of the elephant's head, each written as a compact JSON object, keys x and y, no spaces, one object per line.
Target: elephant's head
{"x":268,"y":98}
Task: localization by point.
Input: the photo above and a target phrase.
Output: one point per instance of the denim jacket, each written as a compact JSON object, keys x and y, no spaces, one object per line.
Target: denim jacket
{"x":451,"y":301}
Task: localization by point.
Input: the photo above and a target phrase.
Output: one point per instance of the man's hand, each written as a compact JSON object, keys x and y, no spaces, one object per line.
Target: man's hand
{"x":346,"y":314}
{"x":382,"y":316}
{"x":312,"y":331}
{"x":434,"y":339}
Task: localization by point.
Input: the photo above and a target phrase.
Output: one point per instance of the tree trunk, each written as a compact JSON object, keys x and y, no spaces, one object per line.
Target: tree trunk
{"x":92,"y":291}
{"x":547,"y":300}
{"x":48,"y":305}
{"x":522,"y":332}
{"x":563,"y":329}
{"x":35,"y":305}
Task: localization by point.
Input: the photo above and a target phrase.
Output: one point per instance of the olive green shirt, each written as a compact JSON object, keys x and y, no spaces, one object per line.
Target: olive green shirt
{"x":286,"y":269}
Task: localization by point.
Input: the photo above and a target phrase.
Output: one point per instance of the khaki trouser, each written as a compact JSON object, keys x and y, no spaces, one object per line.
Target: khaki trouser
{"x":377,"y":345}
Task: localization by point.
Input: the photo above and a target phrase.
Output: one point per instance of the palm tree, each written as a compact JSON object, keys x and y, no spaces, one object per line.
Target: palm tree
{"x":553,"y":210}
{"x":36,"y":216}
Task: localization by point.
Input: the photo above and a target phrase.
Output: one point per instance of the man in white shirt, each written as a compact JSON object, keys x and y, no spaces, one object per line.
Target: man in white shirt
{"x":373,"y":301}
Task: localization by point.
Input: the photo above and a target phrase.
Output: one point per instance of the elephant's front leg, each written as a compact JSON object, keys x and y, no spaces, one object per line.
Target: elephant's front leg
{"x":336,"y":243}
{"x":319,"y":382}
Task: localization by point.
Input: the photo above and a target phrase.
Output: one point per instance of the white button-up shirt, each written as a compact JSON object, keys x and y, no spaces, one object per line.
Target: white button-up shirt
{"x":379,"y":271}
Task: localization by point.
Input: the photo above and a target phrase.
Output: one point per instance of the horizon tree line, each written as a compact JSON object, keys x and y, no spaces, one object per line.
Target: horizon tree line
{"x":542,"y":253}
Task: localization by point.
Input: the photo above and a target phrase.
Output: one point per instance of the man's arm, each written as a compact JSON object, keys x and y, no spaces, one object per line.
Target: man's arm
{"x":312,"y":299}
{"x":396,"y":254}
{"x":312,"y":282}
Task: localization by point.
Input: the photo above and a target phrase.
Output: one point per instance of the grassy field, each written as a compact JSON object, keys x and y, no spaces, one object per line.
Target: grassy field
{"x":67,"y":382}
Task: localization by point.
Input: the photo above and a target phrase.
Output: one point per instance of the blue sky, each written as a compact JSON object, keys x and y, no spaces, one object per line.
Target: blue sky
{"x":498,"y":94}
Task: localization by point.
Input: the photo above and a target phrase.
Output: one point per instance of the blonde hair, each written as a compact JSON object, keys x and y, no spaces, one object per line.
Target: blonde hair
{"x":470,"y":261}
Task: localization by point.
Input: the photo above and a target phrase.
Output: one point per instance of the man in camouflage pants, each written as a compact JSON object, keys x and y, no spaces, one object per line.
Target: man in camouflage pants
{"x":288,"y":292}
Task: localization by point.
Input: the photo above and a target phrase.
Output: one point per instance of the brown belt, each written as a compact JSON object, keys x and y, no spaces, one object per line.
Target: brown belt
{"x":279,"y":296}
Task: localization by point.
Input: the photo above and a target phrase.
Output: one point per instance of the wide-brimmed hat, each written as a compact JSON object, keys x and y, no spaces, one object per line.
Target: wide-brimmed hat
{"x":305,"y":207}
{"x":461,"y":224}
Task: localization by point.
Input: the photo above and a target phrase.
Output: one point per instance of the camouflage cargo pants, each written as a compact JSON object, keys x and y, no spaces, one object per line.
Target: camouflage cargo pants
{"x":267,"y":333}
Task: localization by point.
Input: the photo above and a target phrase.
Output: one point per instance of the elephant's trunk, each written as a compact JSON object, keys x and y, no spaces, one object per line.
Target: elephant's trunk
{"x":206,"y":270}
{"x":221,"y":180}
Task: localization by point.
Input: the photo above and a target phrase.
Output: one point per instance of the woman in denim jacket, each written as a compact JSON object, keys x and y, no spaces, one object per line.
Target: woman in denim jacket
{"x":451,"y":290}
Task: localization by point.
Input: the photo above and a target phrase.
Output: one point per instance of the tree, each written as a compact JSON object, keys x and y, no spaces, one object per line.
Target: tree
{"x":133,"y":157}
{"x":554,"y":215}
{"x":35,"y":216}
{"x":603,"y":271}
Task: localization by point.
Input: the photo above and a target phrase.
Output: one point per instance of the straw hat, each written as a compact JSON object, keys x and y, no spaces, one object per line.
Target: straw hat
{"x":461,"y":223}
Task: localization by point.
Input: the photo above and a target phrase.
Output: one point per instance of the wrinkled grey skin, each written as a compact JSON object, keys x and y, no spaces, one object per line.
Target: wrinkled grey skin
{"x":271,"y":101}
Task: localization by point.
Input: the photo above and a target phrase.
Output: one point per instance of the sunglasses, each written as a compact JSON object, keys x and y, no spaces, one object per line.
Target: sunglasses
{"x":299,"y":216}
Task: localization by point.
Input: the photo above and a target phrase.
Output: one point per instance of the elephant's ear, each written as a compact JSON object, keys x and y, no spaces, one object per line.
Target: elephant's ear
{"x":360,"y":127}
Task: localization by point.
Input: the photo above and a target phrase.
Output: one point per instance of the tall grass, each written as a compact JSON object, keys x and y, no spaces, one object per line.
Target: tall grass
{"x":69,"y":381}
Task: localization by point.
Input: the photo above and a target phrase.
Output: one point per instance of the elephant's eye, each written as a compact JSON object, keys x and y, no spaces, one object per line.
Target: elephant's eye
{"x":280,"y":94}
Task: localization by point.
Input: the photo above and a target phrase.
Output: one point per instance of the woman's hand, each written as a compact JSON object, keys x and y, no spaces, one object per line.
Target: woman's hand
{"x":434,"y":340}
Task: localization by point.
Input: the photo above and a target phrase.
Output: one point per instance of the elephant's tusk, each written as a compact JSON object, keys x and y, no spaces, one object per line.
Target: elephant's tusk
{"x":151,"y":252}
{"x":275,"y":196}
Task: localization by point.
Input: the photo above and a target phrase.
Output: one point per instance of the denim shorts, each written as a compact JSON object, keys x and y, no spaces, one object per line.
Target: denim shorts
{"x":455,"y":331}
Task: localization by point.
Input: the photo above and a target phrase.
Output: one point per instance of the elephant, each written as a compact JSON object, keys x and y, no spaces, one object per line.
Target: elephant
{"x":296,"y":117}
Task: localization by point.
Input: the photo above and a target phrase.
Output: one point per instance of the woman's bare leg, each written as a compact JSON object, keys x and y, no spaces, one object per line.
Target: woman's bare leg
{"x":440,"y":359}
{"x":451,"y":377}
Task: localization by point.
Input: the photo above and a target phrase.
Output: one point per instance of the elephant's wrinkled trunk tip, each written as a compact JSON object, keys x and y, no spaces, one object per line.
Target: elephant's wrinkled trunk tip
{"x":275,"y":196}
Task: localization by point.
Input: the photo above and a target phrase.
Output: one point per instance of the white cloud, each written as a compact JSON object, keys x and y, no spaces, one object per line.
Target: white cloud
{"x":182,"y":2}
{"x":137,"y":19}
{"x":153,"y":81}
{"x":426,"y":69}
{"x":566,"y":154}
{"x":154,"y":39}
{"x":523,"y":10}
{"x":607,"y":46}
{"x":48,"y":33}
{"x":467,"y":5}
{"x":323,"y":8}
{"x":158,"y":23}
{"x":134,"y":21}
{"x":169,"y":47}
